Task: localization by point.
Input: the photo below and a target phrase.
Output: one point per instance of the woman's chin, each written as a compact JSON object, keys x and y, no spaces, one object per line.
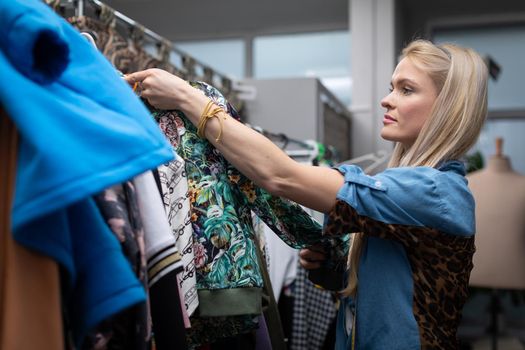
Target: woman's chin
{"x":386,"y":135}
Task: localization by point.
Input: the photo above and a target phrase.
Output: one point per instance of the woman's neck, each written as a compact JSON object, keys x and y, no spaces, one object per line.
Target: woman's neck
{"x":499,"y":164}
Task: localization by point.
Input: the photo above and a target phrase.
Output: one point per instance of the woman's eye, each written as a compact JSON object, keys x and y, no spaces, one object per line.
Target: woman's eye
{"x":390,"y":89}
{"x":407,"y":91}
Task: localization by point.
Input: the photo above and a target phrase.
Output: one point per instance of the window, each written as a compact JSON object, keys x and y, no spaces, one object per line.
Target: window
{"x":324,"y":55}
{"x":506,"y":45}
{"x":225,"y":56}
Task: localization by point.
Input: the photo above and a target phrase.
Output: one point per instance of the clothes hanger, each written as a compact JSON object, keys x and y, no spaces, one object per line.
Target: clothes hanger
{"x":303,"y":150}
{"x":90,"y":37}
{"x":378,"y":163}
{"x":370,"y":161}
{"x":308,"y":155}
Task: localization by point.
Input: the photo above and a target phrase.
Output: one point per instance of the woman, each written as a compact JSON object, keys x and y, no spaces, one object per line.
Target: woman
{"x":413,"y":224}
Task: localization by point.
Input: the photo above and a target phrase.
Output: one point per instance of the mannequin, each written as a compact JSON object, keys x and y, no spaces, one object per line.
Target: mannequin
{"x":499,"y":191}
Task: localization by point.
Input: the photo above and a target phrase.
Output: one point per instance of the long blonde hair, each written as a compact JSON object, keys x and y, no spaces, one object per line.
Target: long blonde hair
{"x":454,"y":123}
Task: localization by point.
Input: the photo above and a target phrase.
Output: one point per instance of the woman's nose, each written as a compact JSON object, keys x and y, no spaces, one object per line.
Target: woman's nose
{"x":386,"y":102}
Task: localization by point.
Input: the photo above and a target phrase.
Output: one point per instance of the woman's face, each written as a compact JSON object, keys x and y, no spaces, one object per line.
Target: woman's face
{"x":408,"y":104}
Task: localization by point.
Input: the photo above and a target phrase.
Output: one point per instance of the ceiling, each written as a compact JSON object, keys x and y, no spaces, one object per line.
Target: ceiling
{"x":179,"y":20}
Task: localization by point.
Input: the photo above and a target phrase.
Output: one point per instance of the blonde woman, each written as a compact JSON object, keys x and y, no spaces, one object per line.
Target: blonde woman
{"x":413,"y":224}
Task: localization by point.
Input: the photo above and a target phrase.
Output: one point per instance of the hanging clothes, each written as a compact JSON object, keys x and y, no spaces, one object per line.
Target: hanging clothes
{"x":228,"y":274}
{"x":203,"y":330}
{"x":78,"y":111}
{"x":263,"y":336}
{"x":126,"y":55}
{"x":76,"y":97}
{"x":164,"y":263}
{"x":314,"y":311}
{"x":129,"y":57}
{"x":171,"y":128}
{"x":174,"y":186}
{"x":131,"y":328}
{"x":270,"y":316}
{"x":205,"y":253}
{"x":108,"y":41}
{"x":281,"y":259}
{"x":221,"y":198}
{"x":133,"y":210}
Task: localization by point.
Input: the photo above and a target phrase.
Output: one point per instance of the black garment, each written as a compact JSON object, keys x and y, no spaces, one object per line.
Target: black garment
{"x":329,"y":341}
{"x":240,"y":342}
{"x":118,"y":332}
{"x":285,"y":306}
{"x":168,"y":323}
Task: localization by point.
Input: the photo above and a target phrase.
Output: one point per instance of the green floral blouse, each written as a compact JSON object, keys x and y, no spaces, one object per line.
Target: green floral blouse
{"x":221,"y":203}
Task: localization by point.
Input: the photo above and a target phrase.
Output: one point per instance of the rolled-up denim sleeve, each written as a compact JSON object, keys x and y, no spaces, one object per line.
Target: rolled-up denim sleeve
{"x":416,"y":196}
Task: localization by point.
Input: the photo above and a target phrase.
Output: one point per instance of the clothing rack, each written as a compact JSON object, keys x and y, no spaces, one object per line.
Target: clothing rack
{"x":282,"y":139}
{"x":189,"y":63}
{"x":156,"y":37}
{"x":305,"y":150}
{"x":306,"y":155}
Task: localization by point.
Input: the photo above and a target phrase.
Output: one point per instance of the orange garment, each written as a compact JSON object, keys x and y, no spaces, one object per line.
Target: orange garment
{"x":30,"y":314}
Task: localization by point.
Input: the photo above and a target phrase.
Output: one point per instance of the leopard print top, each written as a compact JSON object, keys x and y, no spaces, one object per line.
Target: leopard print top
{"x":441,"y":265}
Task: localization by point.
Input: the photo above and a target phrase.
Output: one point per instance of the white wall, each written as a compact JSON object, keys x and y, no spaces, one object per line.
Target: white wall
{"x":372,"y":53}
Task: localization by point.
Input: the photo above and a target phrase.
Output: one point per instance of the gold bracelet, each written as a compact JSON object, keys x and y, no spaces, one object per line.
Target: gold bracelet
{"x":210,"y":111}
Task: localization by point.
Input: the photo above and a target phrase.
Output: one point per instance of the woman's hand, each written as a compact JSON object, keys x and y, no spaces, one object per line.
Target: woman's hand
{"x":161,"y":89}
{"x":311,"y":258}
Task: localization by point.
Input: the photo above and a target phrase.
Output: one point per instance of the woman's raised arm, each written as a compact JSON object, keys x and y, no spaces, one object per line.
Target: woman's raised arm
{"x":253,"y":154}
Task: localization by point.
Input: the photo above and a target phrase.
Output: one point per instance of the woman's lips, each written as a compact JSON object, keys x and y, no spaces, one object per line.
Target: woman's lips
{"x":388,"y":119}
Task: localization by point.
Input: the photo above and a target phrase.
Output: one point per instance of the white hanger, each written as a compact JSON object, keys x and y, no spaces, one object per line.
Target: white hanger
{"x":373,"y":161}
{"x":308,"y":155}
{"x":378,"y":164}
{"x":89,"y":38}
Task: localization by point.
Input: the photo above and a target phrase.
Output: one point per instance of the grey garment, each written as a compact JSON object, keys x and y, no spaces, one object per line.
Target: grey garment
{"x":314,"y":310}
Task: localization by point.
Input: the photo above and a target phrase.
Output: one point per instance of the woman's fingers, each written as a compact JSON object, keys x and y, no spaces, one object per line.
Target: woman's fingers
{"x":309,"y":265}
{"x":312,"y":255}
{"x":311,"y":259}
{"x":137,"y":77}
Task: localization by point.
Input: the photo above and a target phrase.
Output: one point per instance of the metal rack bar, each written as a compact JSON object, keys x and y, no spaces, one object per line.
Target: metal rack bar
{"x":80,"y":6}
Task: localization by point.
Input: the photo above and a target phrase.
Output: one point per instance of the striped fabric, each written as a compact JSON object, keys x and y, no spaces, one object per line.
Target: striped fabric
{"x":161,"y":253}
{"x":162,"y":262}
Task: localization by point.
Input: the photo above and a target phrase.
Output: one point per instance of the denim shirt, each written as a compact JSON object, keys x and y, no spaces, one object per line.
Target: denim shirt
{"x":419,"y":225}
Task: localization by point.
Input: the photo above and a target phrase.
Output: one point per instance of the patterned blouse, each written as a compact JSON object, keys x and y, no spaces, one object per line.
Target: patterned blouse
{"x":228,"y":275}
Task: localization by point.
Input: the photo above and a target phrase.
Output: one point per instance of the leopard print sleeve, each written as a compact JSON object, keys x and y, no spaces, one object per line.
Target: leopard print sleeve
{"x":441,"y":265}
